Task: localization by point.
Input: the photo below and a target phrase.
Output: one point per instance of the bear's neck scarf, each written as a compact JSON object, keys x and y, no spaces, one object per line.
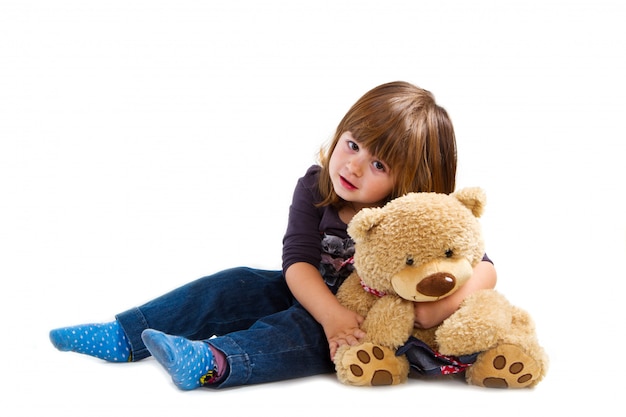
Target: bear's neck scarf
{"x":372,"y":290}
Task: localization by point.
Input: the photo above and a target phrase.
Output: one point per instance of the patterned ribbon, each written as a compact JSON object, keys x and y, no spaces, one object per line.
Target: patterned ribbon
{"x":372,"y":290}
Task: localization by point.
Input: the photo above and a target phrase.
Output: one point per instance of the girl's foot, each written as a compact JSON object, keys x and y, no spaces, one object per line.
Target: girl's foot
{"x":191,"y":364}
{"x":102,"y":340}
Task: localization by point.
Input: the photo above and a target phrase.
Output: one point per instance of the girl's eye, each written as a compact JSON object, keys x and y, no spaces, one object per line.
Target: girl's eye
{"x":352,"y":145}
{"x":379,"y":166}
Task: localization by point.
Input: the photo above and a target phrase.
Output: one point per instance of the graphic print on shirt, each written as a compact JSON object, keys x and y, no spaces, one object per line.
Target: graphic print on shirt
{"x":336,"y":262}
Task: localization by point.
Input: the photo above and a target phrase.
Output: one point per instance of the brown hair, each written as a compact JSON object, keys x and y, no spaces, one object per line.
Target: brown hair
{"x":403,"y":126}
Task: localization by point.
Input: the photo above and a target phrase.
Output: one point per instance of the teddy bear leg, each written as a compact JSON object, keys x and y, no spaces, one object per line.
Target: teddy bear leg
{"x":504,"y":366}
{"x":371,"y":365}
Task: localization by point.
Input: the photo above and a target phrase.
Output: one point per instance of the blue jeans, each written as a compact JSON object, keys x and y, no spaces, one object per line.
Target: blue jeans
{"x":264,"y":332}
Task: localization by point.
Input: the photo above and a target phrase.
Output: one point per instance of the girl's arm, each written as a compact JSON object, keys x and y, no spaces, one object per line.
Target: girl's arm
{"x":341,"y":325}
{"x":430,"y":314}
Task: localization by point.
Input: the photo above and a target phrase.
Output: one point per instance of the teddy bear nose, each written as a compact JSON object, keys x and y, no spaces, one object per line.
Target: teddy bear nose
{"x":437,"y":284}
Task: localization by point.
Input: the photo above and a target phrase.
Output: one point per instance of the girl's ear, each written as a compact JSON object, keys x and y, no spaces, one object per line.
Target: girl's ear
{"x":474,"y":198}
{"x":363,"y":222}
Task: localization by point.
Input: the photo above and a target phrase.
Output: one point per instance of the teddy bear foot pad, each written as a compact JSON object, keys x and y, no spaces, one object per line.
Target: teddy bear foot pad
{"x":373,"y":365}
{"x":505,"y":366}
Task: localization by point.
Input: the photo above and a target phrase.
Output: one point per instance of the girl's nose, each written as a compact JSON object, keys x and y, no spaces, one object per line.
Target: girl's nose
{"x":355,"y":165}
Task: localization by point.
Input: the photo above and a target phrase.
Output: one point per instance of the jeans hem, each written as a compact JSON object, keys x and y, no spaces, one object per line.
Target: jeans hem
{"x":134,"y":323}
{"x":238,"y":361}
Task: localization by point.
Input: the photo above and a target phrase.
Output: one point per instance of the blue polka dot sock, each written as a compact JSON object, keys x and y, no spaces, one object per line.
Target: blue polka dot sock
{"x":103,"y":340}
{"x":191,"y":364}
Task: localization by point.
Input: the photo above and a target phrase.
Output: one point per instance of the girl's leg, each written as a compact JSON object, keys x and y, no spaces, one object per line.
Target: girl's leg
{"x":284,"y":345}
{"x":288,"y":344}
{"x":228,"y":301}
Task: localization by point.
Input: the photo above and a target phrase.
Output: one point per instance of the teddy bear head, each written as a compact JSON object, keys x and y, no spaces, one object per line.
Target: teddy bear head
{"x":421,"y":246}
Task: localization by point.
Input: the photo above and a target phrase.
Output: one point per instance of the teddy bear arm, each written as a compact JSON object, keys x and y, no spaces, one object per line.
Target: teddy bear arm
{"x":479,"y":324}
{"x":352,"y":295}
{"x":389,"y":322}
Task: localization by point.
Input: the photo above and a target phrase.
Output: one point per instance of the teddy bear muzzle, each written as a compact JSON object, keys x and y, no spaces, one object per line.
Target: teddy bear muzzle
{"x":431,"y":281}
{"x":437,"y":284}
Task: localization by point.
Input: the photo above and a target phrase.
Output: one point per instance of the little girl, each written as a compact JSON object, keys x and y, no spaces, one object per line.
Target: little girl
{"x":247,"y":326}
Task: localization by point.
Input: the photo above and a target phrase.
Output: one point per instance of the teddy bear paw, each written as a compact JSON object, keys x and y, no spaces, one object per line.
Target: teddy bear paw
{"x":505,"y":366}
{"x":372,"y":365}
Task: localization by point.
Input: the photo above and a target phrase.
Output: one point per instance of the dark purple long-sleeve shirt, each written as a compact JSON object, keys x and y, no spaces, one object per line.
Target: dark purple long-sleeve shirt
{"x":316,"y":235}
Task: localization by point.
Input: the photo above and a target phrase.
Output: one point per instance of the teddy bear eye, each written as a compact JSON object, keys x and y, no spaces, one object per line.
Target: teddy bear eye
{"x":409,"y":260}
{"x":449,"y":253}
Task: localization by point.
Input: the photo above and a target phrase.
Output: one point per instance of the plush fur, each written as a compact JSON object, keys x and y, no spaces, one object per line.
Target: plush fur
{"x":423,"y":247}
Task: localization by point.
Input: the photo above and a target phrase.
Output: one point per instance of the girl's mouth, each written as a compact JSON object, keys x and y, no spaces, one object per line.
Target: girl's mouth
{"x":347,"y":184}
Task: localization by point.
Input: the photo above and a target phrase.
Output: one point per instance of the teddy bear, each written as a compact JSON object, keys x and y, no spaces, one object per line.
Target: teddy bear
{"x":422,"y":247}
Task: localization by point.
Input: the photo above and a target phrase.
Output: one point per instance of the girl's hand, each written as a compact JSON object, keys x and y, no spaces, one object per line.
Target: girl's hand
{"x":343,"y":329}
{"x":429,"y":314}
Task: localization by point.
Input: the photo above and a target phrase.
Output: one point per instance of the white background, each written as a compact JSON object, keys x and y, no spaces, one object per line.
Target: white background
{"x":148,"y":143}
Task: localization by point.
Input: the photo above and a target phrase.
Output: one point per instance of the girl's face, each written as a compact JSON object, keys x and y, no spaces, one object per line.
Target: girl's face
{"x":357,"y":175}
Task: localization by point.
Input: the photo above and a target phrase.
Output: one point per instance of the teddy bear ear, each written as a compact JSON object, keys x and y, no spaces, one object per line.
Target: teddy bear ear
{"x":364,"y":221}
{"x":474,"y":198}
